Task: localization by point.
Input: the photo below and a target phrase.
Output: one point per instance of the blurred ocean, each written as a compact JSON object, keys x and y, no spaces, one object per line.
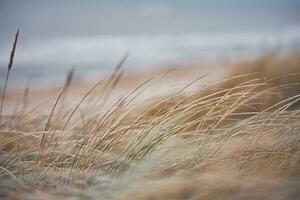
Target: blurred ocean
{"x":93,"y":36}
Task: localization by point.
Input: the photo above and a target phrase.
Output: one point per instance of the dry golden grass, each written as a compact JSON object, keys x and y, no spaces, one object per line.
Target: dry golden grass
{"x":235,"y":139}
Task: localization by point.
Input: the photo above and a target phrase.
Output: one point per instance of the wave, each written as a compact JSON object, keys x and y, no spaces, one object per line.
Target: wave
{"x":103,"y":52}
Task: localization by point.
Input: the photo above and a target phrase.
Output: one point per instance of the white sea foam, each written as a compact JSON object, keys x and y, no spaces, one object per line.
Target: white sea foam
{"x":101,"y":53}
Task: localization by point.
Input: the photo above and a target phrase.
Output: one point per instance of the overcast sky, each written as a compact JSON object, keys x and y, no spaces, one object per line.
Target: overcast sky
{"x":52,"y":18}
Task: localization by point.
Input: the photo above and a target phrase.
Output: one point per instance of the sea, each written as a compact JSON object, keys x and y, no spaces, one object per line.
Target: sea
{"x":93,"y":36}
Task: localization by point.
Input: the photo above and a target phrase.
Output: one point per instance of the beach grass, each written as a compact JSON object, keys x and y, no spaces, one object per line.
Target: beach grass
{"x":238,"y":138}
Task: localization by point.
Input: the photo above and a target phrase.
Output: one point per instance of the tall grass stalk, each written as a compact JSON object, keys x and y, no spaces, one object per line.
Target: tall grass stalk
{"x":10,"y":64}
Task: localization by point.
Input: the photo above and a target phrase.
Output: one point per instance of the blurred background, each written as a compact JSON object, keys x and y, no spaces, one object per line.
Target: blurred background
{"x":93,"y":35}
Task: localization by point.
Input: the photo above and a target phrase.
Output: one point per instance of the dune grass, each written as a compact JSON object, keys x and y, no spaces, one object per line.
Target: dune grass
{"x":238,"y":138}
{"x":9,"y":66}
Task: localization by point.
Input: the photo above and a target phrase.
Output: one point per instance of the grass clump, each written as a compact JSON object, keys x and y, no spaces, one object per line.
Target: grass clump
{"x":230,"y":140}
